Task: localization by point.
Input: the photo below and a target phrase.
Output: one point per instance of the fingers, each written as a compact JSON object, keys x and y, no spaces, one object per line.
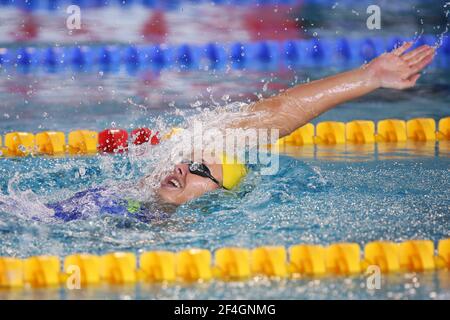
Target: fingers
{"x":411,"y":82}
{"x":399,"y":51}
{"x":419,"y":64}
{"x":408,"y":83}
{"x":424,"y":54}
{"x":412,"y":63}
{"x":410,"y":56}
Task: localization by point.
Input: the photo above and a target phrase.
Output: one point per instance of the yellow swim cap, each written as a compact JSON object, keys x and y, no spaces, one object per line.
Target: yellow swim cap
{"x":232,"y":171}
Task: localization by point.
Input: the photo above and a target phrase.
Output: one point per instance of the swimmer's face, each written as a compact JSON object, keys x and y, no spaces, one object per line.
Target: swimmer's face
{"x":181,"y":186}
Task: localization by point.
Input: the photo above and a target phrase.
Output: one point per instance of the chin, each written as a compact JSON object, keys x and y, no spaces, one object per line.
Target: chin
{"x":162,"y":197}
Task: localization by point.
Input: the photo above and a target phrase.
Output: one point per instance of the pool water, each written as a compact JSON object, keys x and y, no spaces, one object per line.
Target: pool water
{"x":319,"y":196}
{"x":308,"y":201}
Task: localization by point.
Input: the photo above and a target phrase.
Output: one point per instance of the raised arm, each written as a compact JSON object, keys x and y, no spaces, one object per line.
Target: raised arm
{"x":302,"y":103}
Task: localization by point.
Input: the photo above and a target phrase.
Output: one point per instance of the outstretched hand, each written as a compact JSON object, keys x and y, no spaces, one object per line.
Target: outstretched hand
{"x":400,"y":70}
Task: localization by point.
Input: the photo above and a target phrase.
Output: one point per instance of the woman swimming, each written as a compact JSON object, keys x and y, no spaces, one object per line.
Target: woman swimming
{"x":294,"y":108}
{"x":285,"y":112}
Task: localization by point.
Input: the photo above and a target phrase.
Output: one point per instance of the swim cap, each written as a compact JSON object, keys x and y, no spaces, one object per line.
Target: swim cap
{"x":232,"y":171}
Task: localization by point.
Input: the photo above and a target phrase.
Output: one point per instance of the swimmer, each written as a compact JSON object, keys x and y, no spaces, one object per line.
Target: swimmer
{"x":294,"y":108}
{"x":286,"y":112}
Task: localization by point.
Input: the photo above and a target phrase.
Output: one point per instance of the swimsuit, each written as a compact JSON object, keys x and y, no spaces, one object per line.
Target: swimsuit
{"x":98,"y":200}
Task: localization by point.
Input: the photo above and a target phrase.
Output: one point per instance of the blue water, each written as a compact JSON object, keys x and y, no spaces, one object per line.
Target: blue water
{"x":320,"y":195}
{"x":308,"y":201}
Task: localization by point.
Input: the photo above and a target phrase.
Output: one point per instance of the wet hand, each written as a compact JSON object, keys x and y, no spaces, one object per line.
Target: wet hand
{"x":400,"y":70}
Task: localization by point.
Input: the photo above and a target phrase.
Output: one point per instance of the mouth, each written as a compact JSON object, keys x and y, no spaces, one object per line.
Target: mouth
{"x":172,"y":182}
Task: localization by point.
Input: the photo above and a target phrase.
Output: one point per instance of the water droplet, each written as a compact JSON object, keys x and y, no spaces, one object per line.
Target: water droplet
{"x":196,"y":104}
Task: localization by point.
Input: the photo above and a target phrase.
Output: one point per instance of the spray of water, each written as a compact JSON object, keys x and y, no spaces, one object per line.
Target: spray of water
{"x":439,"y":36}
{"x":155,"y":162}
{"x":24,"y":204}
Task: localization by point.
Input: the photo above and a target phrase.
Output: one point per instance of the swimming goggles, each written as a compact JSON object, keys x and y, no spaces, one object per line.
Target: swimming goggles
{"x":201,"y":170}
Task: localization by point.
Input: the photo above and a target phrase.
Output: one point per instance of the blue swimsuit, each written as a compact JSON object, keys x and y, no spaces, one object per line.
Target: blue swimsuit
{"x":95,"y":201}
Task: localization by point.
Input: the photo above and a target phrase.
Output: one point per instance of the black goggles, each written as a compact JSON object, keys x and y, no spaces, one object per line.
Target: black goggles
{"x":201,"y":170}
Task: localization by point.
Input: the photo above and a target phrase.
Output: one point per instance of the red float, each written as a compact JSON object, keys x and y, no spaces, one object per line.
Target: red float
{"x":113,"y":141}
{"x":154,"y":140}
{"x":143,"y":135}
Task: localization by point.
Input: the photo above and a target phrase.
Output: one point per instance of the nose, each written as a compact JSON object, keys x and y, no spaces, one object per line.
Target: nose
{"x":181,"y":170}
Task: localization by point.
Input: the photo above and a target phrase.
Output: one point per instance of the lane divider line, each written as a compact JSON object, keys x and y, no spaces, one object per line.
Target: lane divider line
{"x":225,"y":264}
{"x":329,"y":133}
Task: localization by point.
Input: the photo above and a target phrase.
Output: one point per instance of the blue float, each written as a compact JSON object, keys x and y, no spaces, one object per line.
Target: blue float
{"x":185,"y":57}
{"x":149,"y":3}
{"x":446,"y":46}
{"x":105,"y":56}
{"x":212,"y":53}
{"x":50,"y":57}
{"x":343,"y":49}
{"x":261,"y":55}
{"x":24,"y":56}
{"x":53,"y":5}
{"x":28,"y":5}
{"x":238,"y":55}
{"x":131,"y":56}
{"x":80,"y":3}
{"x":263,"y":52}
{"x":101,"y":3}
{"x":394,"y":43}
{"x":368,"y":51}
{"x":77,"y":57}
{"x":4,"y":59}
{"x":158,"y":57}
{"x":317,"y":52}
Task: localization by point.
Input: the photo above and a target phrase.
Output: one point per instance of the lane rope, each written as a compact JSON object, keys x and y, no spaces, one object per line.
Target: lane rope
{"x":327,"y":133}
{"x":229,"y":263}
{"x":260,"y":56}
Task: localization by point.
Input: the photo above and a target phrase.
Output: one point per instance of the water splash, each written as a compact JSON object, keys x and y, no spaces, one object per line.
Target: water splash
{"x":440,"y":36}
{"x":24,"y":204}
{"x":155,"y":162}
